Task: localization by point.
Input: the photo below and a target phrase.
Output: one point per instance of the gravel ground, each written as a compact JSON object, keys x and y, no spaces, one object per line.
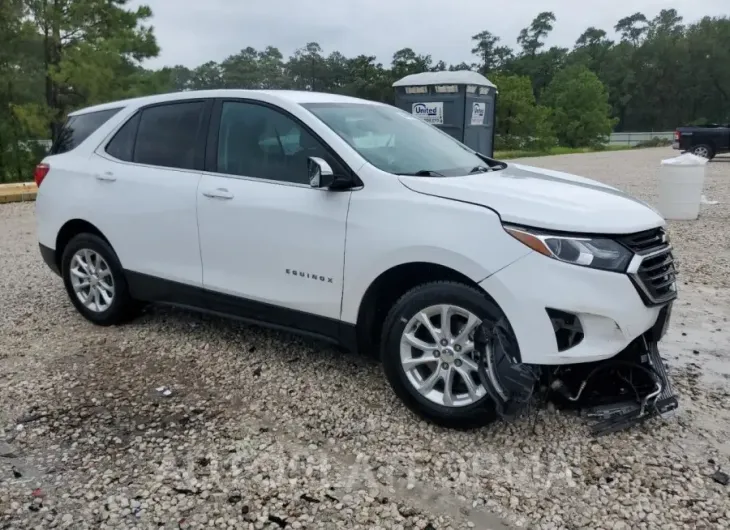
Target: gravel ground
{"x":264,"y":430}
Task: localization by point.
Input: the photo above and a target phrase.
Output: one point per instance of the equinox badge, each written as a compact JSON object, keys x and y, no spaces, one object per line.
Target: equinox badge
{"x":301,"y":274}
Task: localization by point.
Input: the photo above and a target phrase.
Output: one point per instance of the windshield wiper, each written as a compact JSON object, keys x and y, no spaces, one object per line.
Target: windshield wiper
{"x":479,"y":169}
{"x":423,"y":173}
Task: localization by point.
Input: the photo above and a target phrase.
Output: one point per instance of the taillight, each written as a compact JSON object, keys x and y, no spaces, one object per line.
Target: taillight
{"x":41,"y":170}
{"x":676,"y":136}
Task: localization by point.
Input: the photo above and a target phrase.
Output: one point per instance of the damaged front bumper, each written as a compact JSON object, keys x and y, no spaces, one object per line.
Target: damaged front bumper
{"x":605,"y":306}
{"x":581,"y":337}
{"x":654,"y":396}
{"x":619,"y":402}
{"x":614,"y":394}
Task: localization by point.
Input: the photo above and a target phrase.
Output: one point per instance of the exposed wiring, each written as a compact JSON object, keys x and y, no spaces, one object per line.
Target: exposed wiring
{"x":631,"y":384}
{"x":560,"y":386}
{"x":521,"y":381}
{"x":654,"y":395}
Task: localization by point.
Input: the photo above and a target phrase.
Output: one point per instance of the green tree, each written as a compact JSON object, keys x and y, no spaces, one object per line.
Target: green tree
{"x":666,"y":23}
{"x":336,"y":77}
{"x":591,"y":49}
{"x":273,"y":69}
{"x":368,"y":79}
{"x":207,"y":76}
{"x":86,"y":43}
{"x":708,"y":54}
{"x":491,"y":56}
{"x":618,"y":73}
{"x":406,"y":62}
{"x":659,"y":82}
{"x":241,"y":70}
{"x":520,"y":123}
{"x":580,"y":109}
{"x":307,"y":68}
{"x":178,"y":77}
{"x":632,"y":28}
{"x":19,"y":78}
{"x":540,"y":67}
{"x":459,"y":67}
{"x":531,"y":38}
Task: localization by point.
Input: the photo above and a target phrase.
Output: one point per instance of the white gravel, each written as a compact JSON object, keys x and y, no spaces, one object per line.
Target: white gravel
{"x":265,"y":430}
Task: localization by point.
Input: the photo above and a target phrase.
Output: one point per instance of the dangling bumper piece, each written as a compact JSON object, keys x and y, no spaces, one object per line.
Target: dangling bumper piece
{"x":616,"y":393}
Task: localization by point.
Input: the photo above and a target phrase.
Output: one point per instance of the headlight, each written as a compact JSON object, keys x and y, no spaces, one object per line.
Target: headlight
{"x":594,"y":252}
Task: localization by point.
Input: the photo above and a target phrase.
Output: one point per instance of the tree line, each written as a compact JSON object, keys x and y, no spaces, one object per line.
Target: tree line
{"x":60,"y":55}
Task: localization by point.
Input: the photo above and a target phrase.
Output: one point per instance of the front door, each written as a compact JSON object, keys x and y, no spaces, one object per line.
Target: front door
{"x":272,"y":247}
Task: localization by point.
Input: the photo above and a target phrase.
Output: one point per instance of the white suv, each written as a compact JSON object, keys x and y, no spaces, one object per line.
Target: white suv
{"x":355,"y":222}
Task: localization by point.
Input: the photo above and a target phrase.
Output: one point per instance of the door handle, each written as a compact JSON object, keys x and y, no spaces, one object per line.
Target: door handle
{"x":107,"y":176}
{"x":220,"y":193}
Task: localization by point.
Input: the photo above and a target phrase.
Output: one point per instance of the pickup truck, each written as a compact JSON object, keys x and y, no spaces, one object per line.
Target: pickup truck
{"x":706,"y":141}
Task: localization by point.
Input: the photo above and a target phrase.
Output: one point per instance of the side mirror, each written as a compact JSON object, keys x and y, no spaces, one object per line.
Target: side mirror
{"x":320,"y":173}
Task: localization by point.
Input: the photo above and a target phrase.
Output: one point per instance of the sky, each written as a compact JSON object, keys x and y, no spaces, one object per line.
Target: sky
{"x":193,"y":32}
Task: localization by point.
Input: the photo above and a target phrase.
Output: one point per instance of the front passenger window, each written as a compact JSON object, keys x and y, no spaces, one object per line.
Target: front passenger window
{"x":258,"y":141}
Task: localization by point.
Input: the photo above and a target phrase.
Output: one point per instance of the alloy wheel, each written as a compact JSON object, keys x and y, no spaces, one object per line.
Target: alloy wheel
{"x":92,"y":280}
{"x":437,"y":355}
{"x":702,"y":151}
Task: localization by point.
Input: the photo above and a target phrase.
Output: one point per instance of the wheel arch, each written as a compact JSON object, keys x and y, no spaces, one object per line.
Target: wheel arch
{"x":70,"y":230}
{"x":388,"y":287}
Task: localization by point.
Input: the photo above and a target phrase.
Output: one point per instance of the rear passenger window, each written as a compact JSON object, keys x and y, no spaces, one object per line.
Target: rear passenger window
{"x":78,"y":128}
{"x":171,"y":136}
{"x":122,"y":145}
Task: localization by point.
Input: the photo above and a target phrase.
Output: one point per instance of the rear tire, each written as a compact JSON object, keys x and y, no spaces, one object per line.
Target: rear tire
{"x":462,"y":406}
{"x":703,"y":150}
{"x":95,"y":281}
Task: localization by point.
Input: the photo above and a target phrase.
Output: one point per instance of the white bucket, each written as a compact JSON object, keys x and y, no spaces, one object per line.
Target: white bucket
{"x":680,"y":186}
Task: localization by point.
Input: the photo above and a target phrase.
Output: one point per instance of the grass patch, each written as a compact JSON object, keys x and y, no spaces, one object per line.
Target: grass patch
{"x":505,"y":155}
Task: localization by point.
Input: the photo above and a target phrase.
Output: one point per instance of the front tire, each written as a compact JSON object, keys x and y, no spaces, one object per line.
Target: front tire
{"x":432,"y":367}
{"x":95,"y":281}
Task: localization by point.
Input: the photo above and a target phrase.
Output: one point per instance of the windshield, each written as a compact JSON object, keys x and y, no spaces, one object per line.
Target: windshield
{"x":397,"y":142}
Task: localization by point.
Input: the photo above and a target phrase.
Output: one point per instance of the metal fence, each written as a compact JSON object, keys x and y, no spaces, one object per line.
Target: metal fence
{"x":633,"y":138}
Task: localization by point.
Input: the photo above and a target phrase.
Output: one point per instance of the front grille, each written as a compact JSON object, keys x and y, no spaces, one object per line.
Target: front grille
{"x":652,"y":268}
{"x":657,"y":274}
{"x":643,"y":241}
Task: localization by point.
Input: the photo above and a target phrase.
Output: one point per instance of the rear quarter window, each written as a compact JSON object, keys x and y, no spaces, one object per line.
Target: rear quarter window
{"x":122,"y":145}
{"x":78,"y":128}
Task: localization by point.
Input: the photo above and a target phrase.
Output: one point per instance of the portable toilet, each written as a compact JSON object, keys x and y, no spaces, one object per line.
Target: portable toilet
{"x":460,"y":103}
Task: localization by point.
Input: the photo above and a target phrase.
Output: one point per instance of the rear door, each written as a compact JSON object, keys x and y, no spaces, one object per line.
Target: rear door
{"x":145,"y":180}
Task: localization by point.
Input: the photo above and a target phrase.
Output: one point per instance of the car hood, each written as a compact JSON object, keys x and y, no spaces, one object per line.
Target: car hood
{"x":542,"y":198}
